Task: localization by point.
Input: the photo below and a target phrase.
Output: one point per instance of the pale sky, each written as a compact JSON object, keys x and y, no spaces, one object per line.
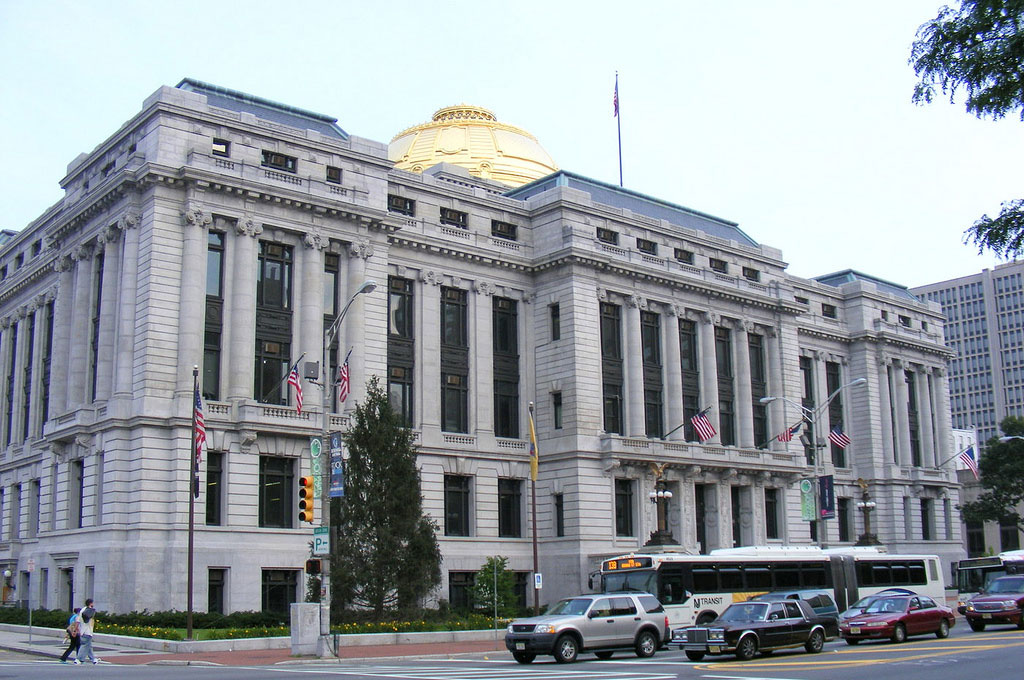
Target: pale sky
{"x":792,"y":118}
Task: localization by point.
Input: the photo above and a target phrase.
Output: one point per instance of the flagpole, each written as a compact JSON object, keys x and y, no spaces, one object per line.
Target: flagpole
{"x":955,"y":455}
{"x":193,"y":486}
{"x":533,"y":512}
{"x":284,"y":378}
{"x":618,"y":124}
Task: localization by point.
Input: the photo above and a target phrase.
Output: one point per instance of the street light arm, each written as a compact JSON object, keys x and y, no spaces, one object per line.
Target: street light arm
{"x":366,"y":287}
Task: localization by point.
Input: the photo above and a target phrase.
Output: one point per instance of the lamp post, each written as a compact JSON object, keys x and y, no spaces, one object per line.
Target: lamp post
{"x":1009,"y":438}
{"x":813,"y":416}
{"x":323,"y":642}
{"x":661,"y":497}
{"x":866,"y":505}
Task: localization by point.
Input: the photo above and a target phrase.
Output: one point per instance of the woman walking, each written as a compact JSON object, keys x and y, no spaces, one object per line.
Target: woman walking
{"x":74,"y":639}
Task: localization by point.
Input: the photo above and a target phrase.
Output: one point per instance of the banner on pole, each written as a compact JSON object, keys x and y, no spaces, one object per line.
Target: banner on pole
{"x":826,"y":491}
{"x":337,"y":488}
{"x":316,"y":467}
{"x":807,"y":500}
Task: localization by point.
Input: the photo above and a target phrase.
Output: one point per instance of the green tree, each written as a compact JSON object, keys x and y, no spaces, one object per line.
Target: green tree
{"x":978,"y":50}
{"x":387,"y":555}
{"x":493,"y":573}
{"x":1001,"y":471}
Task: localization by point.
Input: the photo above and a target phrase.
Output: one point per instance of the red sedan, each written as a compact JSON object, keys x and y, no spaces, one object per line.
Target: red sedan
{"x":896,"y":618}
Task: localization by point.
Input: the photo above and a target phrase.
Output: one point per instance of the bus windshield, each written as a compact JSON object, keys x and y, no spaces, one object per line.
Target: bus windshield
{"x":974,"y":580}
{"x":643,"y":581}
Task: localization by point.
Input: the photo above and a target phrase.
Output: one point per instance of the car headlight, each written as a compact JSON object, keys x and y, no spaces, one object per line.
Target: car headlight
{"x":970,"y":607}
{"x":876,"y":624}
{"x":544,"y":628}
{"x":509,"y":629}
{"x":716,"y":634}
{"x":1009,"y":604}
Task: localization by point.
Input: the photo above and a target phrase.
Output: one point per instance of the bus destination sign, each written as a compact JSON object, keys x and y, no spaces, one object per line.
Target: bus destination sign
{"x":627,"y":563}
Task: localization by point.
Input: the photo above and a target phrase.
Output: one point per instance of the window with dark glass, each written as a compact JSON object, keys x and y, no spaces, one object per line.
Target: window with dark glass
{"x":751,"y":274}
{"x":454,"y":403}
{"x":843,"y":519}
{"x":737,"y":509}
{"x":273,"y":323}
{"x":214,"y":487}
{"x":758,"y":388}
{"x":456,"y":505}
{"x":559,"y":501}
{"x":828,"y":311}
{"x":26,"y":383}
{"x":214,"y":328}
{"x":454,"y":361}
{"x":913,"y":418}
{"x":333,"y":175}
{"x":11,"y":359}
{"x":975,"y":539}
{"x":556,"y":322}
{"x":215,"y":590}
{"x":647,"y":246}
{"x":833,"y":381}
{"x":221,"y":147}
{"x":691,"y":376}
{"x":401,"y":205}
{"x":400,"y":395}
{"x":904,"y":321}
{"x":623,"y":507}
{"x":556,"y":409}
{"x":807,"y":400}
{"x":460,"y":590}
{"x":504,"y":230}
{"x":400,"y":310}
{"x":650,"y":341}
{"x":726,"y":408}
{"x":277,"y":479}
{"x":717,"y":265}
{"x":505,"y":320}
{"x":274,"y":276}
{"x":607,"y":236}
{"x":453,"y":317}
{"x":1009,"y":535}
{"x":611,"y":366}
{"x":454,"y":218}
{"x":94,"y":339}
{"x":279,"y":161}
{"x":510,"y":508}
{"x":279,"y":589}
{"x":401,"y":345}
{"x":771,"y":513}
{"x":47,"y":359}
{"x":801,"y":300}
{"x":684,"y":256}
{"x":927,"y":519}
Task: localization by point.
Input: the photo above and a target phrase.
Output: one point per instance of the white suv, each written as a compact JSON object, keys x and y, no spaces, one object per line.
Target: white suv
{"x":599,"y":623}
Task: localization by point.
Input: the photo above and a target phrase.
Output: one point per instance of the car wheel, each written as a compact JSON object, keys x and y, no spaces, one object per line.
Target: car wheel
{"x":646,"y":644}
{"x":899,"y":634}
{"x":943,"y":631}
{"x":603,"y":655}
{"x":976,"y":626}
{"x":816,"y":642}
{"x":566,"y":649}
{"x":747,"y":648}
{"x":524,"y":657}
{"x":851,"y":641}
{"x":704,"y":619}
{"x":694,"y":655}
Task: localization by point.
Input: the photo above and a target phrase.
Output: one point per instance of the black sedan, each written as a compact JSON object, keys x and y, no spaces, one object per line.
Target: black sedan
{"x":746,"y":628}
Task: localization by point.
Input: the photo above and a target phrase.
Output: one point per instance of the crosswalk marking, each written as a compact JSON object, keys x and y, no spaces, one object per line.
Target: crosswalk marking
{"x":474,"y":672}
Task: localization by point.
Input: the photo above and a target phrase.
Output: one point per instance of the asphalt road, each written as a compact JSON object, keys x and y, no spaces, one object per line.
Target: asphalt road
{"x":996,"y":654}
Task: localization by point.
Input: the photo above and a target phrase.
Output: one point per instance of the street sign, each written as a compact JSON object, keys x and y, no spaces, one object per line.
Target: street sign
{"x":30,"y":565}
{"x":321,"y":541}
{"x":337,"y":487}
{"x":538,"y":581}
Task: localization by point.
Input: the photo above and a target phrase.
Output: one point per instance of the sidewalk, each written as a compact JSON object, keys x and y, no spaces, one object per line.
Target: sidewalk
{"x":44,"y":643}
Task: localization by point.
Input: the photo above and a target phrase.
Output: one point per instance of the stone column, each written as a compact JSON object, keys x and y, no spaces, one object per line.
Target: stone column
{"x":354,"y":331}
{"x":924,"y":400}
{"x":78,"y":365}
{"x":192,"y":310}
{"x":709,"y":371}
{"x":308,"y":334}
{"x":428,"y":342}
{"x":35,"y":425}
{"x":633,"y":365}
{"x":62,"y":313}
{"x":940,"y":410}
{"x":128,"y":285}
{"x":242,"y":351}
{"x":776,"y":413}
{"x":18,"y":371}
{"x":744,"y":400}
{"x":902,"y":417}
{"x":673,"y":379}
{"x":885,"y":412}
{"x":109,"y":238}
{"x":481,"y":360}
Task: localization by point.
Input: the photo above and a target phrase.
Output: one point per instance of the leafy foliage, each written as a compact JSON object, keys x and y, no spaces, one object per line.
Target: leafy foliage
{"x":386,"y":555}
{"x":495,"y":572}
{"x":978,"y":50}
{"x":1001,"y":471}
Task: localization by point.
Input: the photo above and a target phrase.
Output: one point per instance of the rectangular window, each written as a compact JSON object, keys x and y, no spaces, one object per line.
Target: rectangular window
{"x":277,"y":479}
{"x":274,"y":276}
{"x":904,"y":321}
{"x":213,"y":332}
{"x":717,"y":265}
{"x":624,"y":507}
{"x":975,"y":539}
{"x":927,"y":519}
{"x":751,"y":274}
{"x":556,"y":322}
{"x":279,"y":589}
{"x":454,"y":218}
{"x":216,"y":579}
{"x":279,"y":161}
{"x":690,"y":374}
{"x":611,"y":366}
{"x":454,"y":403}
{"x":684,"y":256}
{"x":400,"y":310}
{"x":647,"y":246}
{"x":737,"y":511}
{"x":758,"y":388}
{"x":456,"y":505}
{"x":828,"y":311}
{"x":559,"y":502}
{"x":607,"y":236}
{"x":510,"y":508}
{"x":214,"y":487}
{"x":221,"y":147}
{"x":76,"y":488}
{"x":771,"y":513}
{"x":843,"y":518}
{"x":650,"y":342}
{"x":47,"y":359}
{"x":801,"y":300}
{"x":333,"y":175}
{"x":453,"y":317}
{"x":807,"y":400}
{"x":273,"y":323}
{"x":726,"y":405}
{"x":97,"y":316}
{"x":26,"y":382}
{"x":460,"y":589}
{"x":15,"y":532}
{"x":556,"y":409}
{"x":401,"y":205}
{"x":400,"y":381}
{"x":503,"y":230}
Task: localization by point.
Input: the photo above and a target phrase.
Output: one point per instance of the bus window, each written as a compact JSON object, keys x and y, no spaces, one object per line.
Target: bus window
{"x":880,"y":575}
{"x":758,"y":577}
{"x":672,"y":590}
{"x":705,"y":580}
{"x":900,"y":575}
{"x":917,"y":575}
{"x":731,"y":579}
{"x":787,"y":576}
{"x":813,"y":575}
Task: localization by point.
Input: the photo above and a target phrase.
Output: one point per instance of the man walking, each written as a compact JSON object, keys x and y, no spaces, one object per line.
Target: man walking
{"x":86,"y":620}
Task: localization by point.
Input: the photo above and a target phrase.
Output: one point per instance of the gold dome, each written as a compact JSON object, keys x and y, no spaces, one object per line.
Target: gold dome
{"x":471,"y":137}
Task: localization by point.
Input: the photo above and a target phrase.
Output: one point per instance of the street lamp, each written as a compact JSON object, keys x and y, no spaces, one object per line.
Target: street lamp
{"x":1009,"y":438}
{"x":661,"y":497}
{"x":323,"y":646}
{"x":866,"y":505}
{"x":813,"y":416}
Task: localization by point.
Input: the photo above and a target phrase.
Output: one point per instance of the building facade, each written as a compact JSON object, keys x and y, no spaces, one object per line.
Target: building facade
{"x":985,"y":328}
{"x":218,"y":230}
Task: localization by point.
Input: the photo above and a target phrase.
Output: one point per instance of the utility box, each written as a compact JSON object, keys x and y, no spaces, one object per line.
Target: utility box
{"x":305,"y":620}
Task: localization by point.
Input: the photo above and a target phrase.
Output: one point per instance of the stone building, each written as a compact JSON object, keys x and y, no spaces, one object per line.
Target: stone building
{"x":220,"y":230}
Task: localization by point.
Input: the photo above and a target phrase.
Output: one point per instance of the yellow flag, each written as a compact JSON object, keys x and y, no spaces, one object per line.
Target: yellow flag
{"x":534,"y":451}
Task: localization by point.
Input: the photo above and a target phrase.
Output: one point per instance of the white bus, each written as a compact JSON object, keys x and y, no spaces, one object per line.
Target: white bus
{"x":695,"y":589}
{"x":974,"y":573}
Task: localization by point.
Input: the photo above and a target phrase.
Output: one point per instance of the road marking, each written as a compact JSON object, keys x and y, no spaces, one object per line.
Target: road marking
{"x":543,"y":672}
{"x":744,"y":677}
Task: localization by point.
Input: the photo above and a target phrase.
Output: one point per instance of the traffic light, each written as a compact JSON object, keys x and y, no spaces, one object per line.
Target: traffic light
{"x":306,"y":502}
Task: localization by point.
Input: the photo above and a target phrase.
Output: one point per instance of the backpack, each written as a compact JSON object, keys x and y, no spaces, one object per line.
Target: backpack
{"x":72,"y":629}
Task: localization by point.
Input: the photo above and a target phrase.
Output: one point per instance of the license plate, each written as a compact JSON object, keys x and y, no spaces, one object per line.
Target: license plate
{"x":986,"y":616}
{"x":520,"y":645}
{"x":855,"y":631}
{"x":714,"y":649}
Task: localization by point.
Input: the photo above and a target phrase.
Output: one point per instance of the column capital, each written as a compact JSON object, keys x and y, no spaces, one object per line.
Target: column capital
{"x":314,"y":240}
{"x":361,"y":250}
{"x":636,"y":301}
{"x":710,"y":318}
{"x":195,"y":215}
{"x":5,"y":322}
{"x":484,"y":288}
{"x":108,"y":235}
{"x":430,"y":277}
{"x":62,"y":264}
{"x":128,"y":220}
{"x":82,"y":252}
{"x":602,"y":294}
{"x":248,"y":226}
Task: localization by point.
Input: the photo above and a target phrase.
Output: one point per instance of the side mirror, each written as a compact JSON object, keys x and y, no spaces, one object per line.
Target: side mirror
{"x":591,"y":614}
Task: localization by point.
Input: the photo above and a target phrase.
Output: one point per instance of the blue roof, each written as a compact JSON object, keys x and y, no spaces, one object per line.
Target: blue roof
{"x":264,"y":108}
{"x":849,"y":276}
{"x":642,"y":204}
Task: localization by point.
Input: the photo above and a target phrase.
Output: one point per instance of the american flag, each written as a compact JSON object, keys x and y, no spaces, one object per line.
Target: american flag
{"x":200,"y":432}
{"x":967,"y":458}
{"x":790,"y":433}
{"x":705,"y":430}
{"x":343,"y":381}
{"x":615,"y":98}
{"x":293,"y":380}
{"x":837,"y":437}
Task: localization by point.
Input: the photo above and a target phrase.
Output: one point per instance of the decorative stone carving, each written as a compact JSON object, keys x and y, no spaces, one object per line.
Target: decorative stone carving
{"x":129,"y":220}
{"x":23,"y":311}
{"x":710,"y":318}
{"x":430,"y":277}
{"x":636,"y":301}
{"x":361,"y":250}
{"x":5,"y":323}
{"x":107,"y":235}
{"x":246,"y":438}
{"x":194,"y":215}
{"x":746,"y":325}
{"x":484,"y":288}
{"x":82,"y":252}
{"x":314,"y":240}
{"x":62,"y":264}
{"x":248,"y":226}
{"x":602,"y":294}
